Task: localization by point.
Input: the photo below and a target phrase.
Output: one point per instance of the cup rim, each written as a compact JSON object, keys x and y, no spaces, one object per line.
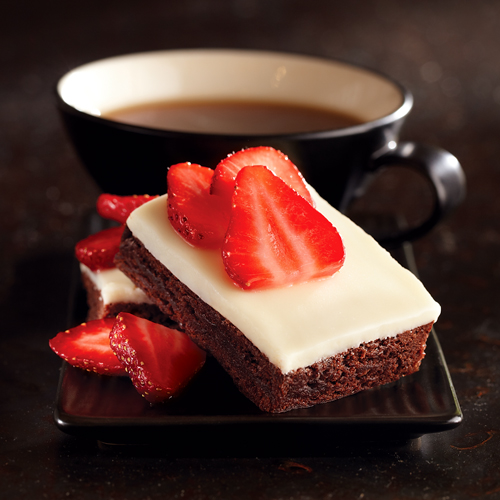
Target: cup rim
{"x":400,"y":112}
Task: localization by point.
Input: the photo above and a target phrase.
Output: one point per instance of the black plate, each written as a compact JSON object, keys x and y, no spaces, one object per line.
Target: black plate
{"x":211,"y":417}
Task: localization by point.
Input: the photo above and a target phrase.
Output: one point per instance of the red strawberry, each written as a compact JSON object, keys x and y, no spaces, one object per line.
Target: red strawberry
{"x":87,"y":346}
{"x":227,"y":170}
{"x":98,"y":250}
{"x":160,"y":361}
{"x":275,"y":237}
{"x":199,"y":217}
{"x":118,"y":208}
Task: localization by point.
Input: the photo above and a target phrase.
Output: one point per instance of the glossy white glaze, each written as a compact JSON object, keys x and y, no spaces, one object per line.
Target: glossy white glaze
{"x":371,"y":297}
{"x":115,"y":287}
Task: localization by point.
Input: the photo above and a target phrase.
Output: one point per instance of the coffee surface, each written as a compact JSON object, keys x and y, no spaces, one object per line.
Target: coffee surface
{"x":233,"y":117}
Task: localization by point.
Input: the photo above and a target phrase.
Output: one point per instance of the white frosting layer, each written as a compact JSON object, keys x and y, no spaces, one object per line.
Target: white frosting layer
{"x":371,"y":297}
{"x":115,"y":287}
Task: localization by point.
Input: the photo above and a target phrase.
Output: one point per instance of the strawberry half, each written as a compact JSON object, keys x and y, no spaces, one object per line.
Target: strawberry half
{"x":118,"y":208}
{"x":275,"y":237}
{"x":98,"y":250}
{"x":159,"y":360}
{"x":87,"y":346}
{"x":227,"y":170}
{"x":199,"y":217}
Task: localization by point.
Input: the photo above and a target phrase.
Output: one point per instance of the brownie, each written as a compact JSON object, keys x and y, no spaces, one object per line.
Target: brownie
{"x":368,"y":365}
{"x":97,"y":309}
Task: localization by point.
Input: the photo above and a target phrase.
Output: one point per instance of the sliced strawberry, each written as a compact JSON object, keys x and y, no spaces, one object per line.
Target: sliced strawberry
{"x":199,"y":217}
{"x":275,"y":237}
{"x":98,"y":250}
{"x":160,"y":361}
{"x":87,"y":346}
{"x":227,"y":170}
{"x":118,"y":208}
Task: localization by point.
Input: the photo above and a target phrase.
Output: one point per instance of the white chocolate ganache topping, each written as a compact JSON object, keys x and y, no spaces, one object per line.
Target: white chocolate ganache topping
{"x":371,"y":297}
{"x":115,"y":287}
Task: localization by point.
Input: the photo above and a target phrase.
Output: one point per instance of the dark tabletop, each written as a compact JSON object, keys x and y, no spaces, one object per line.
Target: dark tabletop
{"x":446,"y":52}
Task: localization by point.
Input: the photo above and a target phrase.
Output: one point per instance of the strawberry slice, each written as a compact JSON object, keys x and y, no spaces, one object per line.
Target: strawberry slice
{"x":199,"y":217}
{"x":227,"y":170}
{"x":159,"y":360}
{"x":118,"y":208}
{"x":98,"y":250}
{"x":87,"y":346}
{"x":275,"y":237}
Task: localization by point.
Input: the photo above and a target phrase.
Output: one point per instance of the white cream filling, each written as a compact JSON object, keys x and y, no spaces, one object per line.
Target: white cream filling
{"x":115,"y":287}
{"x":371,"y":297}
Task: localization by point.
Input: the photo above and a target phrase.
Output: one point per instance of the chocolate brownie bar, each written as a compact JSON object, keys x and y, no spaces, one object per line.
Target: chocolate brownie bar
{"x":290,"y":347}
{"x":369,"y":365}
{"x":114,"y":293}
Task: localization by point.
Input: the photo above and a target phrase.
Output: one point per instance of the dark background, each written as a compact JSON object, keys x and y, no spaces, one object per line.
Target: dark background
{"x":446,"y":52}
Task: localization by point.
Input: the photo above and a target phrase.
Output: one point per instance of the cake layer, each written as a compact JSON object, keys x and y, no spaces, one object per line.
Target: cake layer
{"x":110,"y":292}
{"x":371,"y":298}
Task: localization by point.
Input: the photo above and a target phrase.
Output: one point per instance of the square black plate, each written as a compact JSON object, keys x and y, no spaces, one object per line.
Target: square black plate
{"x":211,"y":417}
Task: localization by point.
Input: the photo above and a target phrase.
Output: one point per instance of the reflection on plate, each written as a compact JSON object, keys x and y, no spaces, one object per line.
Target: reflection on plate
{"x":212,"y":417}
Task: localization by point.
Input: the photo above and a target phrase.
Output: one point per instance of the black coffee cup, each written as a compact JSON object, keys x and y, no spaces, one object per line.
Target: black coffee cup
{"x":131,"y":159}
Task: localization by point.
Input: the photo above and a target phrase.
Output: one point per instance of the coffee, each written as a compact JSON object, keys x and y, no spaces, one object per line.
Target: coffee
{"x":233,"y":117}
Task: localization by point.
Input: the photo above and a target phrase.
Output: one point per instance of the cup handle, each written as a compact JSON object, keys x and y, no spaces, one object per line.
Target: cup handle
{"x":443,"y":171}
